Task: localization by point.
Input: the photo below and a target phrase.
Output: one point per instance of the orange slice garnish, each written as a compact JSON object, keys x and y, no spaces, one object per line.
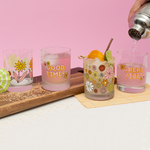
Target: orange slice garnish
{"x":95,"y":53}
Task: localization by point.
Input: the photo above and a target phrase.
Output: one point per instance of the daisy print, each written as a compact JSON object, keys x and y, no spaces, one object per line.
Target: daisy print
{"x":109,"y":73}
{"x":89,"y":86}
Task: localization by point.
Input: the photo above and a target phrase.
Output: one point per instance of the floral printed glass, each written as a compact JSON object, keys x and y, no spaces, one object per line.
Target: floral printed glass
{"x":131,"y":71}
{"x":19,"y":64}
{"x":99,"y":79}
{"x":55,"y":63}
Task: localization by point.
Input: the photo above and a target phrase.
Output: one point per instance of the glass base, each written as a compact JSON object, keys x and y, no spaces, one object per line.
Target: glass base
{"x":131,"y":89}
{"x":19,"y":88}
{"x":56,"y":87}
{"x":99,"y":97}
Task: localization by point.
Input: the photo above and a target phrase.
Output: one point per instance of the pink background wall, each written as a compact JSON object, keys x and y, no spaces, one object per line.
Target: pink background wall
{"x":82,"y":25}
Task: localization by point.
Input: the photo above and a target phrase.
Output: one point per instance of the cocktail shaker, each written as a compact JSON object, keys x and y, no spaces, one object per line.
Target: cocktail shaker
{"x":139,"y":23}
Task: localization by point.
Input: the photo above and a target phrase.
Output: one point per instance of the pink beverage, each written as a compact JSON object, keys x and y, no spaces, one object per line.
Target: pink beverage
{"x":56,"y":71}
{"x":131,"y":76}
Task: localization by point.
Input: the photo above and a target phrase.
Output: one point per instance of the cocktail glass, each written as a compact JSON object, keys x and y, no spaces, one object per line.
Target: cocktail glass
{"x":55,"y":63}
{"x":99,"y":78}
{"x":19,"y":64}
{"x":131,"y":71}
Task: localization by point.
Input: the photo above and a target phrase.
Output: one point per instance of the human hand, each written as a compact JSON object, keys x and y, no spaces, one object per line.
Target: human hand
{"x":135,"y":7}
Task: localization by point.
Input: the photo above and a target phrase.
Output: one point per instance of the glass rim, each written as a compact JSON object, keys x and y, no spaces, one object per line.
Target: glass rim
{"x":8,"y":51}
{"x":47,"y":48}
{"x":135,"y":55}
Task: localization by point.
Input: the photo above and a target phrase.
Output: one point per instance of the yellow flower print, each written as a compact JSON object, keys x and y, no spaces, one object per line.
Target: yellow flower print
{"x":99,"y":79}
{"x":48,"y":63}
{"x":95,"y":74}
{"x":20,"y":66}
{"x":105,"y":82}
{"x":87,"y":76}
{"x":111,"y":87}
{"x":91,"y":78}
{"x":12,"y":60}
{"x":89,"y":71}
{"x":65,"y":76}
{"x":31,"y":64}
{"x":94,"y":81}
{"x":122,"y":67}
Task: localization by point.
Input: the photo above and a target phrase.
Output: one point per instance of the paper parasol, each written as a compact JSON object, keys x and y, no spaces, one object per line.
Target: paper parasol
{"x":4,"y":80}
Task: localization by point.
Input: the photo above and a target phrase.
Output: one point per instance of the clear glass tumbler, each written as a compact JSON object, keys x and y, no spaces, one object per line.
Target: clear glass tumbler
{"x":19,"y":64}
{"x":55,"y":63}
{"x":131,"y":71}
{"x":99,"y":79}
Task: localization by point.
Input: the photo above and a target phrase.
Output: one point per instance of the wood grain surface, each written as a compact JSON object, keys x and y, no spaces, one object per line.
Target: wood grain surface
{"x":11,"y":103}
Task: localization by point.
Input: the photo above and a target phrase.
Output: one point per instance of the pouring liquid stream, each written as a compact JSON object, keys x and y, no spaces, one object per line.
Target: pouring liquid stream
{"x":133,"y":50}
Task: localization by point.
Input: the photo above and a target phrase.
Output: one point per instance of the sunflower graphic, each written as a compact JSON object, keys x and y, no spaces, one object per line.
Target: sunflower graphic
{"x":65,"y":76}
{"x":122,"y":67}
{"x":105,"y":82}
{"x":95,"y":74}
{"x":31,"y":64}
{"x":20,"y":66}
{"x":48,"y":63}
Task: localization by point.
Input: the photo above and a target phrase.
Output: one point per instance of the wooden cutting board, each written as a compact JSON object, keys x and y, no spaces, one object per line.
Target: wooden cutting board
{"x":14,"y":102}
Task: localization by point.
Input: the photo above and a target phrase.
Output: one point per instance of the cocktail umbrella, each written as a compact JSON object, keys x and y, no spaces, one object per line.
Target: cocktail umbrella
{"x":4,"y":80}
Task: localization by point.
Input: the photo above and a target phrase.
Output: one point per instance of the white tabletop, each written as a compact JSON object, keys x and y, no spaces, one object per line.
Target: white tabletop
{"x":67,"y":125}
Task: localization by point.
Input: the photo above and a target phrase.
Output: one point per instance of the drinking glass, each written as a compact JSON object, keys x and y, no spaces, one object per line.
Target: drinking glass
{"x":99,"y":79}
{"x":19,"y":64}
{"x":55,"y":64}
{"x":131,"y":71}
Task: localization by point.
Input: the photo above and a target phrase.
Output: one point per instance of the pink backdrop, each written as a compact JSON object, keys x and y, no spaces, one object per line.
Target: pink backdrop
{"x":82,"y":25}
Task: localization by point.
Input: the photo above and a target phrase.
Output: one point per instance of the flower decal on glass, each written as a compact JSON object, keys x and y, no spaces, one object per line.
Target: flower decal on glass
{"x":99,"y":79}
{"x":20,"y":66}
{"x":103,"y":90}
{"x":12,"y":60}
{"x":109,"y":73}
{"x":65,"y":76}
{"x":91,"y":78}
{"x":111,"y":87}
{"x":93,"y":67}
{"x":87,"y":76}
{"x":48,"y":63}
{"x":31,"y":64}
{"x":45,"y":64}
{"x":122,"y":67}
{"x":89,"y":86}
{"x":94,"y":81}
{"x":105,"y":82}
{"x":89,"y":71}
{"x":98,"y":85}
{"x":95,"y":74}
{"x":101,"y":75}
{"x":95,"y":90}
{"x":101,"y":67}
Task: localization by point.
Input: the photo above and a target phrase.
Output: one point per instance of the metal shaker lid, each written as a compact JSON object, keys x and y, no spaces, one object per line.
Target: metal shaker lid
{"x":136,"y":32}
